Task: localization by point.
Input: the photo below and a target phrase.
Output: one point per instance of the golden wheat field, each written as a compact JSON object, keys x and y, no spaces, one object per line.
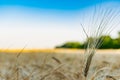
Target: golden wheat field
{"x":58,"y":65}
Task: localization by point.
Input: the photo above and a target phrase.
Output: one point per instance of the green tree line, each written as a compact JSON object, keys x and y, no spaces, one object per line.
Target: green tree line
{"x":107,"y":43}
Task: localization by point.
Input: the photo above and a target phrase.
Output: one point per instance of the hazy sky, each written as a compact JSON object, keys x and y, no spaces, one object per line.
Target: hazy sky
{"x":45,"y":23}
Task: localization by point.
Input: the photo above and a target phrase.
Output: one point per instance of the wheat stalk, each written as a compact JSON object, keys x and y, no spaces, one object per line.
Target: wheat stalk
{"x":96,"y":31}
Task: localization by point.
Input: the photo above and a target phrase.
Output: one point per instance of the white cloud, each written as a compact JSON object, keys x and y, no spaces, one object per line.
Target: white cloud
{"x":38,"y":31}
{"x":21,"y":26}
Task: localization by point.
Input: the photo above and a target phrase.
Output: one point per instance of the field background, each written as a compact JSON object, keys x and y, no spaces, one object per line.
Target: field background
{"x":57,"y":64}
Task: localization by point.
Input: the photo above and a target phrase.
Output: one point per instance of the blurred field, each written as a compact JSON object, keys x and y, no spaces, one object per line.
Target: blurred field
{"x":58,"y":64}
{"x":60,"y":50}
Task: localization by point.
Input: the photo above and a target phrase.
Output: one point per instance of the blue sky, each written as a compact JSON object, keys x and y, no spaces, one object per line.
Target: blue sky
{"x":45,"y":23}
{"x":54,"y":4}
